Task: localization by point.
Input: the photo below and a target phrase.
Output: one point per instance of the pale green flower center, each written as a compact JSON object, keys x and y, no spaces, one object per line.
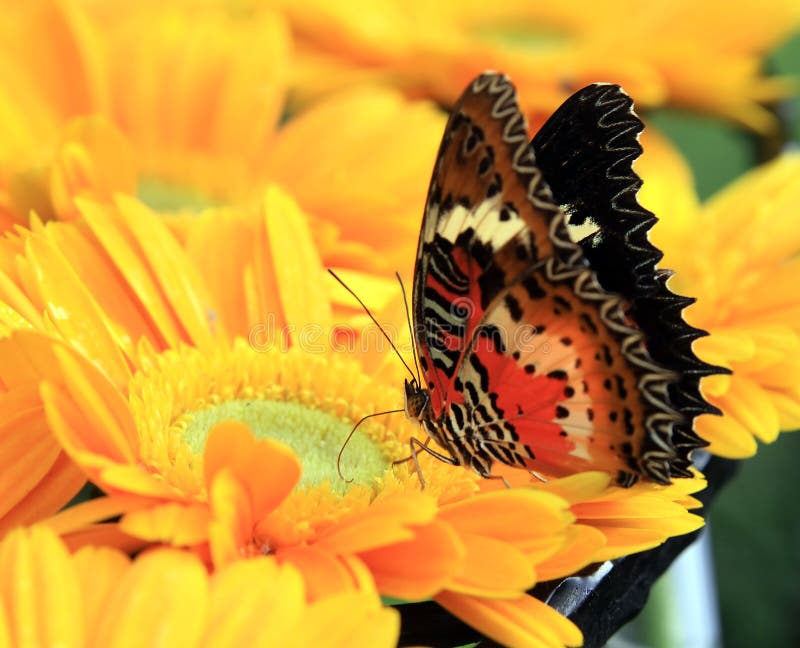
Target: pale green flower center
{"x":316,"y":437}
{"x":166,"y":196}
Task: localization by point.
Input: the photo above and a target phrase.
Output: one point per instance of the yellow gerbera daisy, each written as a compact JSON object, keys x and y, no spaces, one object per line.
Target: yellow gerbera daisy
{"x":197,"y":92}
{"x":149,"y":384}
{"x":737,"y":255}
{"x":667,"y":52}
{"x":217,"y":141}
{"x":99,"y":597}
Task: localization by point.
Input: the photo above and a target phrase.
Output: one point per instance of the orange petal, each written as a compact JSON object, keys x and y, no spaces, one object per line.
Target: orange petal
{"x":515,"y":515}
{"x":727,"y":437}
{"x":231,"y":528}
{"x":637,"y":506}
{"x":136,"y":276}
{"x":56,"y":488}
{"x":492,"y":568}
{"x":523,"y":622}
{"x":27,"y":449}
{"x":417,"y":568}
{"x":110,"y":427}
{"x":583,"y":543}
{"x":70,"y":428}
{"x":92,"y":511}
{"x":386,"y":521}
{"x":268,"y":469}
{"x":324,"y":573}
{"x":104,"y":534}
{"x":94,"y":159}
{"x":135,"y":479}
{"x":578,"y":487}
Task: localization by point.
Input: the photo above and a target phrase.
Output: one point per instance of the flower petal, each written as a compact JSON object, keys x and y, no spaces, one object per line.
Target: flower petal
{"x":524,"y":622}
{"x":492,"y":568}
{"x":515,"y":516}
{"x":349,"y":619}
{"x":268,"y":469}
{"x":581,"y":548}
{"x":161,"y":600}
{"x":255,"y":602}
{"x":41,"y":593}
{"x":416,"y":568}
{"x":387,"y":520}
{"x":324,"y":573}
{"x":172,"y":523}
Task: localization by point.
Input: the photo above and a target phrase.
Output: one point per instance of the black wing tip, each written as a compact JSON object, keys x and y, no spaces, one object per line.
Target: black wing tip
{"x":586,"y":151}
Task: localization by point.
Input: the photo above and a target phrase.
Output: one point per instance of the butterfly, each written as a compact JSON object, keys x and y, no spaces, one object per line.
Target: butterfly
{"x":546,"y":335}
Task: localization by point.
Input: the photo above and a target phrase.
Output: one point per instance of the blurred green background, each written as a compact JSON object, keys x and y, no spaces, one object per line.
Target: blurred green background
{"x":755,"y":522}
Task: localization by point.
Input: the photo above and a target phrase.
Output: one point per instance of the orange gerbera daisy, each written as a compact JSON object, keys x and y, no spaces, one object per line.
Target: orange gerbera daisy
{"x":666,"y":54}
{"x":150,"y":386}
{"x":737,"y":255}
{"x":99,"y":597}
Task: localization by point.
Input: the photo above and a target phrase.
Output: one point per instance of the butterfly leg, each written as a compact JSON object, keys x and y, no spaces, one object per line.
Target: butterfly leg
{"x":501,"y":477}
{"x":538,"y":476}
{"x":417,"y":445}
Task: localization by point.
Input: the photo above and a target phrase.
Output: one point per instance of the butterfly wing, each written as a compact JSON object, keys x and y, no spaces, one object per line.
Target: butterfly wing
{"x":528,"y":357}
{"x":488,"y":217}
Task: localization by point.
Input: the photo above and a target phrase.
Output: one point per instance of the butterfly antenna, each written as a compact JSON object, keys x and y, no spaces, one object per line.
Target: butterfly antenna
{"x":372,"y":317}
{"x":410,"y":329}
{"x":350,"y":436}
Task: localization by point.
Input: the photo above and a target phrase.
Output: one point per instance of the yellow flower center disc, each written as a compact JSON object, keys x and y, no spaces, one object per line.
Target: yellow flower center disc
{"x":316,"y":437}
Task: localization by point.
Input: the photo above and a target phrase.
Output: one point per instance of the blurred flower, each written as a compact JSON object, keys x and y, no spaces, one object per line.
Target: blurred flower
{"x":100,"y":597}
{"x":669,"y":52}
{"x":180,"y":105}
{"x":198,"y":93}
{"x":737,"y":254}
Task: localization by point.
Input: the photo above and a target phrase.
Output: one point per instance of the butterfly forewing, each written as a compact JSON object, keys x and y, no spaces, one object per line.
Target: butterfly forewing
{"x":480,"y":210}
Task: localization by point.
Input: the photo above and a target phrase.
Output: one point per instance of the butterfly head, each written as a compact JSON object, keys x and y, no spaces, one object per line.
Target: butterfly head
{"x":417,"y":400}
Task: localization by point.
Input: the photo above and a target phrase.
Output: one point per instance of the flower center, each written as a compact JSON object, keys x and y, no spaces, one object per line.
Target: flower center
{"x":316,"y":436}
{"x":306,"y":401}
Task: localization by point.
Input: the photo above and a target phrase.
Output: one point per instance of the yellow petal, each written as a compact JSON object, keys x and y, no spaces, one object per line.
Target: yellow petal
{"x":255,"y":602}
{"x":162,"y":600}
{"x":349,"y":619}
{"x":172,"y":523}
{"x":524,"y":622}
{"x":99,"y":570}
{"x":41,"y":593}
{"x":298,"y":268}
{"x":176,"y":276}
{"x":727,"y":437}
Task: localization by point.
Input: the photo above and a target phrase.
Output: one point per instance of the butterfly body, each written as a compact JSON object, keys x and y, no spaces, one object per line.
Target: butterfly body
{"x":540,"y":351}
